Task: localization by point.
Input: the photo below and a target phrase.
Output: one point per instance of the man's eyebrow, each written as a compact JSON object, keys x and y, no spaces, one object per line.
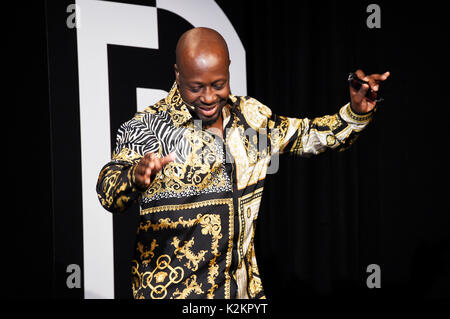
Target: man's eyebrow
{"x":201,"y":83}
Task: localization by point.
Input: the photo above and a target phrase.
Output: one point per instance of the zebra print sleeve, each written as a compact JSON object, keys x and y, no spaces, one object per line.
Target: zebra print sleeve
{"x":137,"y":136}
{"x":116,"y":188}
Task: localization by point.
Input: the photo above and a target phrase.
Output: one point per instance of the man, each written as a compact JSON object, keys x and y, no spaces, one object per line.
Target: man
{"x":196,"y":162}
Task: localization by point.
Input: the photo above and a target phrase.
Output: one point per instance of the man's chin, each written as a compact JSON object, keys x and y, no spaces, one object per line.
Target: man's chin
{"x":210,"y":120}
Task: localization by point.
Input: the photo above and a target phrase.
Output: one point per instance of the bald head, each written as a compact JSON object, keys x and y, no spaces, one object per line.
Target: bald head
{"x":202,"y":73}
{"x":201,"y":45}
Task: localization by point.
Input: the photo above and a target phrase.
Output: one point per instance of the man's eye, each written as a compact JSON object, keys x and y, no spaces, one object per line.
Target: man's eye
{"x":219,"y":87}
{"x":194,"y":89}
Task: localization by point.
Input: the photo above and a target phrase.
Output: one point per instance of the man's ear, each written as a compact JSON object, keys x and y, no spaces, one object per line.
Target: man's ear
{"x":177,"y":74}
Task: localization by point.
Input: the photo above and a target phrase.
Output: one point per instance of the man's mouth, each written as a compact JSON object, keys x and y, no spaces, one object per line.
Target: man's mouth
{"x":208,"y":111}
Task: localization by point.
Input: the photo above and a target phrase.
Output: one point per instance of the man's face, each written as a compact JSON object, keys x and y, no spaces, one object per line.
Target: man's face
{"x":203,"y":82}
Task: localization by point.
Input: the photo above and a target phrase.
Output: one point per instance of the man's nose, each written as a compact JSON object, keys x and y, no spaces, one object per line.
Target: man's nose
{"x":208,"y":97}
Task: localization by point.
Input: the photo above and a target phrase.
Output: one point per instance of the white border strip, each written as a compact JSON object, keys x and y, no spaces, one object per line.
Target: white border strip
{"x":102,"y":23}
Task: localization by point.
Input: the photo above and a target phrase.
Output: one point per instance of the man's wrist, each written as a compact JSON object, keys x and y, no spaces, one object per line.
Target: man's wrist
{"x":134,"y":181}
{"x":358,"y":118}
{"x":360,"y":113}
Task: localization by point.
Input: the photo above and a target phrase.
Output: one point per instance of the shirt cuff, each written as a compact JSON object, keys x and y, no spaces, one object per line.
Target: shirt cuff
{"x":349,"y":115}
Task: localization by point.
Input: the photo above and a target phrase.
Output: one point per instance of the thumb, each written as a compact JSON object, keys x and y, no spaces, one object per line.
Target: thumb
{"x":363,"y":89}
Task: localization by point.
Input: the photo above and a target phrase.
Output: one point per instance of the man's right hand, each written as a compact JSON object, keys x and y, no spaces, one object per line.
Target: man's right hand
{"x":148,"y":167}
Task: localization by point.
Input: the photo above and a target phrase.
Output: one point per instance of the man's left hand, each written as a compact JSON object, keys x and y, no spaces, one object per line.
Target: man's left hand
{"x":360,"y":103}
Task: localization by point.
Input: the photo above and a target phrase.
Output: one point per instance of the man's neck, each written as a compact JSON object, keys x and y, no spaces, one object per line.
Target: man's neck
{"x":216,"y":127}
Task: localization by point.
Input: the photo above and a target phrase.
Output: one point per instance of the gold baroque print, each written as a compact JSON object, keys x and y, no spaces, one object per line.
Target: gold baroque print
{"x":327,"y":122}
{"x":248,"y":213}
{"x":255,"y":113}
{"x":109,"y":184}
{"x":191,"y":287}
{"x":251,"y":153}
{"x":201,"y":172}
{"x":160,"y":106}
{"x":210,"y":225}
{"x":166,"y":208}
{"x":180,"y":117}
{"x":254,"y":281}
{"x":145,"y":280}
{"x":278,"y":132}
{"x":298,"y":144}
{"x":127,"y":155}
{"x":331,"y":140}
{"x":186,"y":252}
{"x":145,"y":254}
{"x":166,"y":223}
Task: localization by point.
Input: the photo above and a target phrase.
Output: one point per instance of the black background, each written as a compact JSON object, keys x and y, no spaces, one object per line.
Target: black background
{"x":322,"y":220}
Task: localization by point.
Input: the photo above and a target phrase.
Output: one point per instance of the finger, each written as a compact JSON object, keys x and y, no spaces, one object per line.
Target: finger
{"x":151,"y":165}
{"x":360,"y":74}
{"x":363,"y":77}
{"x":373,"y":84}
{"x":148,"y":156}
{"x":385,"y":75}
{"x":147,"y":176}
{"x":376,"y":79}
{"x":148,"y":171}
{"x":140,"y":170}
{"x":143,"y":163}
{"x":167,"y":159}
{"x":375,"y":87}
{"x":142,"y":177}
{"x":380,"y":77}
{"x":156,"y":165}
{"x":363,"y":90}
{"x":159,"y":163}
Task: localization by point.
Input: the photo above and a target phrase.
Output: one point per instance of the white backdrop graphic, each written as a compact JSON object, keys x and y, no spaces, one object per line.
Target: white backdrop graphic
{"x":102,"y":23}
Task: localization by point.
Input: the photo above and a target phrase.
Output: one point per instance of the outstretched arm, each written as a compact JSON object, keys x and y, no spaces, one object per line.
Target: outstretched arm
{"x":307,"y":137}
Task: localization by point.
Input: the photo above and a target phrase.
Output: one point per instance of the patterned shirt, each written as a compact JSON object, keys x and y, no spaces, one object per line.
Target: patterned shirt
{"x":196,"y":233}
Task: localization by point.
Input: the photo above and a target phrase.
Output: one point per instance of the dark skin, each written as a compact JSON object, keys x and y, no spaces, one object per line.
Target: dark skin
{"x":202,"y":75}
{"x":203,"y":79}
{"x":359,"y":102}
